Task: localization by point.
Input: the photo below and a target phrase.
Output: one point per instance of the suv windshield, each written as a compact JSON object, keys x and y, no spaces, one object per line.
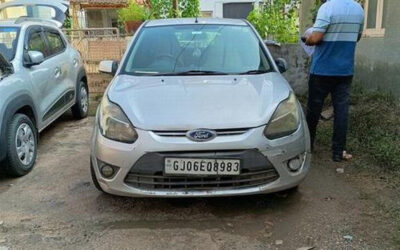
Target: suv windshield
{"x":196,"y":49}
{"x":8,"y":41}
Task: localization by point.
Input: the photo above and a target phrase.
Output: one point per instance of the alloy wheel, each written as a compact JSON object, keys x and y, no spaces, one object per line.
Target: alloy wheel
{"x":25,"y":144}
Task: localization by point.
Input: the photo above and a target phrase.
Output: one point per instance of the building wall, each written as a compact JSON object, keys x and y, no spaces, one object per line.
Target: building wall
{"x":378,"y":59}
{"x":101,"y":18}
{"x":298,"y":66}
{"x":215,"y":7}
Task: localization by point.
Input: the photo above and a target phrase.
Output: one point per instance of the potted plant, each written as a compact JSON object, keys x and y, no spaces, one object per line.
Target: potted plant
{"x":133,"y":16}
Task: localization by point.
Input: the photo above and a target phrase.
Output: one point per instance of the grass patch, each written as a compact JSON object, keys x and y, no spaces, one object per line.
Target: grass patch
{"x":374,"y":128}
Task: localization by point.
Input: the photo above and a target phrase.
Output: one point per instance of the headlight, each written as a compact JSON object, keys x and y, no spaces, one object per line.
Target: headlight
{"x":114,"y":124}
{"x":285,"y":120}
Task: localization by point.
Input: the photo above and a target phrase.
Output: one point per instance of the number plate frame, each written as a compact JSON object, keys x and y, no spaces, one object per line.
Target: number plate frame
{"x":200,"y":173}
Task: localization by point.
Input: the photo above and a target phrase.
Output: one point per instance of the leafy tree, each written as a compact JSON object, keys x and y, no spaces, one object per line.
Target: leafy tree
{"x":189,"y":8}
{"x":277,"y":20}
{"x":165,"y":8}
{"x":161,"y":9}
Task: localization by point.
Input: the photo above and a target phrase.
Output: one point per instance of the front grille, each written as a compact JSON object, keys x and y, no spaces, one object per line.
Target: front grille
{"x":186,"y":183}
{"x":220,"y":132}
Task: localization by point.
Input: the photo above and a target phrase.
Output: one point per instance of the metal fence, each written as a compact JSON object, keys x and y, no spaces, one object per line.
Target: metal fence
{"x":97,"y":44}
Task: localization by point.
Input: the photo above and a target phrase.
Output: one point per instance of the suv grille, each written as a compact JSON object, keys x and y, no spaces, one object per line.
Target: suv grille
{"x":160,"y":182}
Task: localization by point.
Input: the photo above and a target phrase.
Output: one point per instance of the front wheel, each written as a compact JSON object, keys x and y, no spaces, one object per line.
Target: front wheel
{"x":81,"y":108}
{"x":21,"y":146}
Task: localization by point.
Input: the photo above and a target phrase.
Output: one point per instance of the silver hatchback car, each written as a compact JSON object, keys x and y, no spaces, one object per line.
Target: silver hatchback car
{"x":198,"y":107}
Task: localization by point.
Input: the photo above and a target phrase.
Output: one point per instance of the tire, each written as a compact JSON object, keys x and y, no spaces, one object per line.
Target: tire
{"x":81,"y":108}
{"x":21,"y":146}
{"x":94,"y":178}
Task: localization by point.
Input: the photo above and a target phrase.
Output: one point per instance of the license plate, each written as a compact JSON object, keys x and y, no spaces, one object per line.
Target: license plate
{"x":190,"y":166}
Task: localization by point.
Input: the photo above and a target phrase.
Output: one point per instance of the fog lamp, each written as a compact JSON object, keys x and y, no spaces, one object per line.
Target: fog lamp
{"x":296,"y":163}
{"x":107,"y":171}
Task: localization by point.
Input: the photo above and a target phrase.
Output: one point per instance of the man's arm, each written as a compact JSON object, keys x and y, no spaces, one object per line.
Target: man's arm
{"x":360,"y":32}
{"x":315,"y":38}
{"x":321,"y":25}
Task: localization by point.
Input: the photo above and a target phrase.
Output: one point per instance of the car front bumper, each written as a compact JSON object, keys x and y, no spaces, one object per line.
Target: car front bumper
{"x":125,"y":156}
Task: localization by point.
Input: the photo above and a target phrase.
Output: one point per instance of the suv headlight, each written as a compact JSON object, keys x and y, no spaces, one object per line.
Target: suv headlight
{"x":114,"y":124}
{"x":285,"y":120}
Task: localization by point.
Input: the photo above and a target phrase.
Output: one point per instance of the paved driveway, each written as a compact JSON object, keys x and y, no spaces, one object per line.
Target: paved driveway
{"x":57,"y":206}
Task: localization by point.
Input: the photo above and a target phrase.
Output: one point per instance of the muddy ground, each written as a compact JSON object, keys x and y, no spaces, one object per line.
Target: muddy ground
{"x":56,"y":206}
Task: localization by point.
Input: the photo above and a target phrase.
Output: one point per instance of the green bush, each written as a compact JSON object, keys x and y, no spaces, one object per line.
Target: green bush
{"x":134,"y":12}
{"x":277,"y":20}
{"x":375,"y":127}
{"x":67,"y":23}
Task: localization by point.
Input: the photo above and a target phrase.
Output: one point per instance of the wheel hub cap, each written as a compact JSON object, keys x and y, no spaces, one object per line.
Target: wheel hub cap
{"x":25,"y":144}
{"x":84,"y":100}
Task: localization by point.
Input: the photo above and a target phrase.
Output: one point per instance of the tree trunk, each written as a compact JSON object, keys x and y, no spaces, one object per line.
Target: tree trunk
{"x":175,"y":7}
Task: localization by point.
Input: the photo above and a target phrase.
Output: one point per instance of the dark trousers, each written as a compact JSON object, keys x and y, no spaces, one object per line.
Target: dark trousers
{"x":339,"y":88}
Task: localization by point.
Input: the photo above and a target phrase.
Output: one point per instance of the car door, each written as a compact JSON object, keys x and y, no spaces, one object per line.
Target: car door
{"x":62,"y":89}
{"x":42,"y":75}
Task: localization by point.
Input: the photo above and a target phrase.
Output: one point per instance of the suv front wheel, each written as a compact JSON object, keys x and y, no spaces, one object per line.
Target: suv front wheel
{"x":21,"y":146}
{"x":81,"y":108}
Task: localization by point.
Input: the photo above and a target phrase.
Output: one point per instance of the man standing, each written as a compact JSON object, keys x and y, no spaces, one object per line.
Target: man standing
{"x":336,"y":31}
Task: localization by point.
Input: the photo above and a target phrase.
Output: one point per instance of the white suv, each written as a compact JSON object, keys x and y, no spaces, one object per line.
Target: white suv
{"x":41,"y":77}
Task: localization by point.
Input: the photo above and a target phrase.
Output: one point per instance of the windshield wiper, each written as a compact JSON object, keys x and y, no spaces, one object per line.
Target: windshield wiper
{"x":193,"y":73}
{"x":254,"y":72}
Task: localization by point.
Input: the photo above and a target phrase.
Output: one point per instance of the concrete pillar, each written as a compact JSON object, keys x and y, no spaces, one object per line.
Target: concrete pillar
{"x":305,"y":14}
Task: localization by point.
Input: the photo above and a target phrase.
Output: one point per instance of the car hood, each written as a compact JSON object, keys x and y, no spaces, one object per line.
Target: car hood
{"x":190,"y":102}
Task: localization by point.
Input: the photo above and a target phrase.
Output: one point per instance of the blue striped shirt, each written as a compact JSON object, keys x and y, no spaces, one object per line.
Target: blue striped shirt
{"x":341,"y":21}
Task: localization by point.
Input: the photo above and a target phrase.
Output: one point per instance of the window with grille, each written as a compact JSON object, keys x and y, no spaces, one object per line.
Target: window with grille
{"x":375,"y":17}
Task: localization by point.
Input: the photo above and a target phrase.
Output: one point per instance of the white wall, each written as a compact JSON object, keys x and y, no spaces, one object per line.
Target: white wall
{"x":216,"y":6}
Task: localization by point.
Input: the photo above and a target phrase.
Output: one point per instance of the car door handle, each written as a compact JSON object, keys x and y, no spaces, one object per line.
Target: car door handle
{"x":75,"y":62}
{"x":57,"y":72}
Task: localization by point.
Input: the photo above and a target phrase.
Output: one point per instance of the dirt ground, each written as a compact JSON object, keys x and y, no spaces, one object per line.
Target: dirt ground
{"x":56,"y":206}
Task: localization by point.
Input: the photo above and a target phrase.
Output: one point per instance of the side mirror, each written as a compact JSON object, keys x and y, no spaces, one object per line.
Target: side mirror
{"x":272,"y":43}
{"x":282,"y":65}
{"x":35,"y":58}
{"x":108,"y":67}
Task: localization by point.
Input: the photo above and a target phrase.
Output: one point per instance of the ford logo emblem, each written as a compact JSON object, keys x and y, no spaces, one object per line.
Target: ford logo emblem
{"x":201,"y":135}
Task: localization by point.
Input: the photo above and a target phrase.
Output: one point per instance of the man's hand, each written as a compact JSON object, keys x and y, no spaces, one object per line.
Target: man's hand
{"x":315,"y":38}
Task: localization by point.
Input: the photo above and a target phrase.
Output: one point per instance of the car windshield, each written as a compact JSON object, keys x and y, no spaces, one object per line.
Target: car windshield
{"x":8,"y":41}
{"x":196,"y":49}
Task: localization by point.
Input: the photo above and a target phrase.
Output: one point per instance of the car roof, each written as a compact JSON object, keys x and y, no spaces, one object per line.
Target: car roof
{"x":184,"y":21}
{"x":9,"y":23}
{"x":26,"y":22}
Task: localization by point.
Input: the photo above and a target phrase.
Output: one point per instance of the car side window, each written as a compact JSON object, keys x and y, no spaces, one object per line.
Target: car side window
{"x":56,"y":43}
{"x":37,"y":43}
